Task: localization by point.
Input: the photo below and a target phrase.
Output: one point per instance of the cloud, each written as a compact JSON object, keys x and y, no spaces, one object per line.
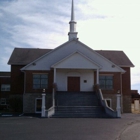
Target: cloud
{"x":34,"y":24}
{"x":110,"y":25}
{"x":136,"y":76}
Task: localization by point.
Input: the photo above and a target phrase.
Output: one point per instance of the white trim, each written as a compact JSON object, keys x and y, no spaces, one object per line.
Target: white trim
{"x":110,"y":100}
{"x":53,"y":66}
{"x":97,"y":76}
{"x":46,"y":54}
{"x":3,"y":100}
{"x":54,"y":78}
{"x":40,"y":74}
{"x":106,"y":74}
{"x":77,"y":41}
{"x":5,"y":87}
{"x":36,"y":104}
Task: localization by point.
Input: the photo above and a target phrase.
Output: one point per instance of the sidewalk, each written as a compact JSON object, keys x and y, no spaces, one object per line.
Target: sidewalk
{"x":31,"y":128}
{"x":132,"y":128}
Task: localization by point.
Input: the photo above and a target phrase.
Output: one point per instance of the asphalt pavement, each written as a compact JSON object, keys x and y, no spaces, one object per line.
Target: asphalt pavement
{"x":33,"y":128}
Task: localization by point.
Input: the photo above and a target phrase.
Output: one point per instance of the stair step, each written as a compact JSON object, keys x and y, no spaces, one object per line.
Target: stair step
{"x":78,"y":105}
{"x":76,"y":99}
{"x":79,"y":112}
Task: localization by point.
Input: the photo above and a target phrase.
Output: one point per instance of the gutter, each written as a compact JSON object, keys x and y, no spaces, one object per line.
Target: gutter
{"x":23,"y":91}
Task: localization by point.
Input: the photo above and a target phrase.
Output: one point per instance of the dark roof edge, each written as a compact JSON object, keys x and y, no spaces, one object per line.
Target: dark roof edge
{"x":126,"y":65}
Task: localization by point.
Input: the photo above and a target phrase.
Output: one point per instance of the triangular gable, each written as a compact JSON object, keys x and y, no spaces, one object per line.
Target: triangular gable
{"x":46,"y":61}
{"x":76,"y":61}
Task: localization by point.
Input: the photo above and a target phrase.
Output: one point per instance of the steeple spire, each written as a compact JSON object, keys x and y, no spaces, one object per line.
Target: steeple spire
{"x":72,"y":12}
{"x":72,"y":34}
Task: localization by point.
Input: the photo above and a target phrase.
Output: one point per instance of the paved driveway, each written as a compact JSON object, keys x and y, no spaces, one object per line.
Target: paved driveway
{"x":29,"y":128}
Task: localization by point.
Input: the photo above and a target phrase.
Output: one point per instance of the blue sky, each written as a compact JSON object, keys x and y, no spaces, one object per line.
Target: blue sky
{"x":101,"y":24}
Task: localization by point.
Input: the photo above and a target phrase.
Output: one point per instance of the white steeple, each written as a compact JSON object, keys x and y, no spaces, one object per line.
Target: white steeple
{"x":72,"y":34}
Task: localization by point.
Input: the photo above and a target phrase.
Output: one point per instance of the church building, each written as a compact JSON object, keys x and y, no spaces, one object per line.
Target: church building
{"x":71,"y":75}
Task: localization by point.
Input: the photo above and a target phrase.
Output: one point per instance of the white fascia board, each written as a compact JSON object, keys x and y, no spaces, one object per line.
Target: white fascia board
{"x":99,"y":66}
{"x":122,"y":71}
{"x":45,"y":55}
{"x":24,"y":68}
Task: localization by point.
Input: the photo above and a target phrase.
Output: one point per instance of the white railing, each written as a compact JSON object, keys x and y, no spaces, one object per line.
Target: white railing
{"x":50,"y":112}
{"x":108,"y":110}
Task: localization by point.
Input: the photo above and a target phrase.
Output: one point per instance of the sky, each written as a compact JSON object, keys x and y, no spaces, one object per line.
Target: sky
{"x":101,"y":24}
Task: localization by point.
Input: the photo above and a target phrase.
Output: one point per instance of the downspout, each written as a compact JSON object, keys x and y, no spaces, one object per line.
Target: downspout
{"x":121,"y":93}
{"x":24,"y":90}
{"x":24,"y":81}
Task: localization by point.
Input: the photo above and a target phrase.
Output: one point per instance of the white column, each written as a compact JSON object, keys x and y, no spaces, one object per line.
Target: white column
{"x":118,"y":105}
{"x":43,"y":106}
{"x":54,"y":79}
{"x":53,"y":97}
{"x":97,"y":77}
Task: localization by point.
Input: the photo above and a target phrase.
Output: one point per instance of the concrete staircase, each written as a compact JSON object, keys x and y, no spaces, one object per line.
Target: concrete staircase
{"x":78,"y":105}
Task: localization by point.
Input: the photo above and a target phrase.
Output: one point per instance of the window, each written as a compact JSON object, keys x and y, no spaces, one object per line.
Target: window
{"x":108,"y":101}
{"x":106,"y":82}
{"x":40,"y":81}
{"x":38,"y":105}
{"x":2,"y":101}
{"x":5,"y":87}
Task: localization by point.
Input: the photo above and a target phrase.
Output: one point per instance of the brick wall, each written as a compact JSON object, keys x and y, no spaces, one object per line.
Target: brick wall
{"x":29,"y":82}
{"x":17,"y":79}
{"x":116,"y":82}
{"x":4,"y":80}
{"x":29,"y":100}
{"x":126,"y":90}
{"x":126,"y":81}
{"x":125,"y":102}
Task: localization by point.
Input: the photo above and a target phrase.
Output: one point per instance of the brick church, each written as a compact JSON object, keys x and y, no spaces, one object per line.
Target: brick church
{"x":69,"y":75}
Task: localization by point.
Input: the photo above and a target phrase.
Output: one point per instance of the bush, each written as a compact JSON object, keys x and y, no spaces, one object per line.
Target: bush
{"x":16,"y":103}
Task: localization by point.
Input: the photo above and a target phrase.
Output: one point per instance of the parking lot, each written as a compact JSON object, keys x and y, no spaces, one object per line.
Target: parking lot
{"x":33,"y":128}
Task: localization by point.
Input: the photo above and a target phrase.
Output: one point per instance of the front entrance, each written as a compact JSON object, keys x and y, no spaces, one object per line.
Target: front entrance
{"x":38,"y":105}
{"x":73,"y":84}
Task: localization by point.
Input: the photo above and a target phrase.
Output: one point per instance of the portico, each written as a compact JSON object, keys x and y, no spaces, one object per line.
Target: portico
{"x":76,"y":66}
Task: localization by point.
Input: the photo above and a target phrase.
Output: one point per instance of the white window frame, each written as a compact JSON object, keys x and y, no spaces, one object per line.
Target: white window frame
{"x":36,"y":105}
{"x":40,"y":83}
{"x":106,"y":76}
{"x":110,"y":100}
{"x":5,"y":87}
{"x":3,"y":100}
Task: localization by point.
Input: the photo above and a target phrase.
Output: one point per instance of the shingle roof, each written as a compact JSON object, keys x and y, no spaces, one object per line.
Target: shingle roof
{"x":24,"y":56}
{"x":117,"y":57}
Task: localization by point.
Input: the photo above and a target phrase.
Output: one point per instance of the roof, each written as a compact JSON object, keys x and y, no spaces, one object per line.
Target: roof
{"x":24,"y":56}
{"x":117,"y":57}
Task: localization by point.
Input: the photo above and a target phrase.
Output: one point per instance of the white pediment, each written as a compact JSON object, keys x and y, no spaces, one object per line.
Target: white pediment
{"x":76,"y":61}
{"x":65,"y":54}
